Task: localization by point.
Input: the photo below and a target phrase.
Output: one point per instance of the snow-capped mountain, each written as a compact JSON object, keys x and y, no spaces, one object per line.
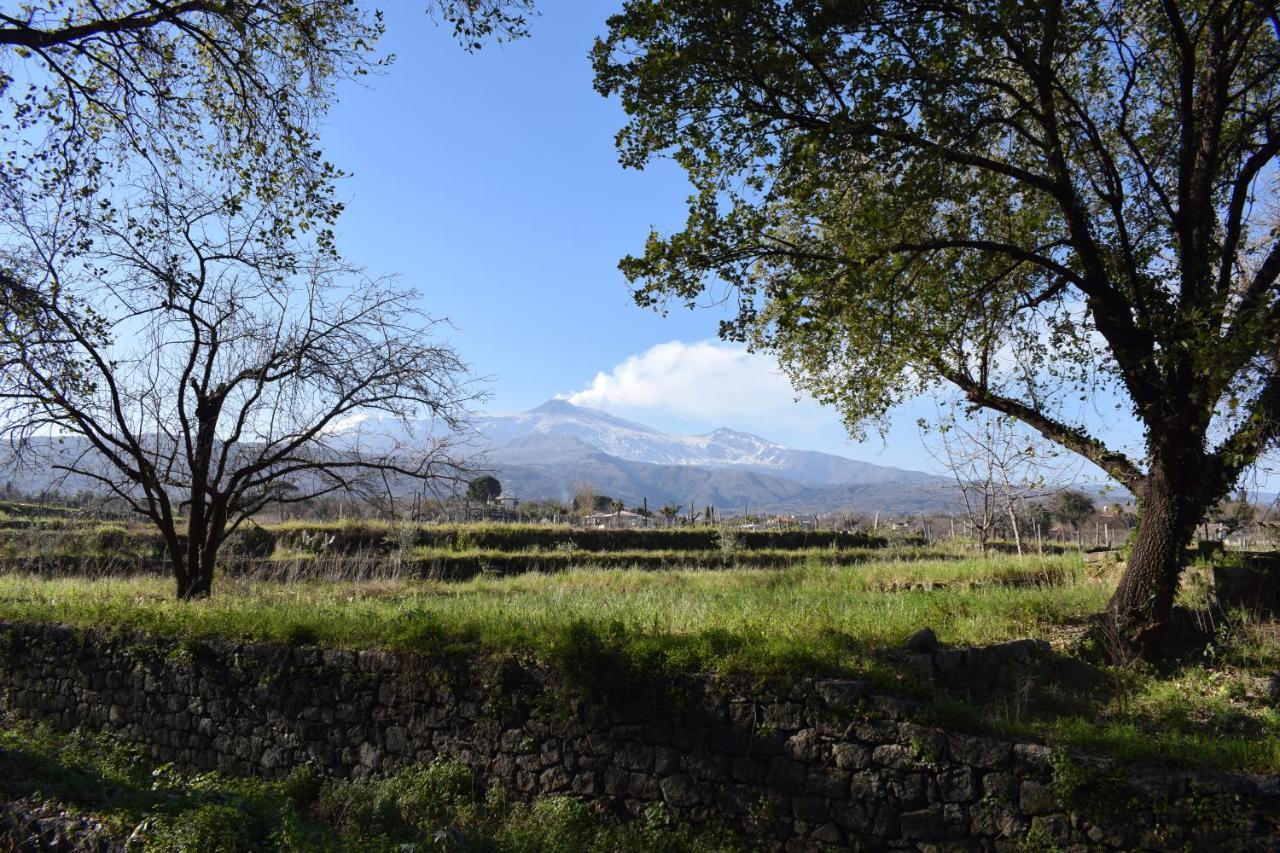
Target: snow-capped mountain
{"x":721,"y":448}
{"x":545,"y":452}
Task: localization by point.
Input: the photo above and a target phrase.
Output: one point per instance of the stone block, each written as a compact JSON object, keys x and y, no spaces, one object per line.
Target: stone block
{"x":923,"y":825}
{"x":1036,"y":798}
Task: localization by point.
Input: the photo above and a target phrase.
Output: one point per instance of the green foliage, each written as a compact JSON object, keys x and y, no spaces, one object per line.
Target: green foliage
{"x":1003,"y":198}
{"x":1073,"y":507}
{"x":208,"y":828}
{"x":415,"y":802}
{"x":252,"y":540}
{"x":346,"y":537}
{"x":458,"y":565}
{"x":896,"y":217}
{"x":170,"y":811}
{"x":484,"y":488}
{"x":505,"y":546}
{"x":110,"y":540}
{"x":789,"y":539}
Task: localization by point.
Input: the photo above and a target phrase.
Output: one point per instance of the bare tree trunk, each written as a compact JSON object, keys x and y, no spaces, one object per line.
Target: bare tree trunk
{"x":199,"y":580}
{"x":1017,"y":533}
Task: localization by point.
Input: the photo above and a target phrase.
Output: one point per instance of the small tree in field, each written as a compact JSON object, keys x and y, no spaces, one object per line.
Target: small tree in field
{"x":584,"y":499}
{"x":1074,"y":508}
{"x":220,"y":375}
{"x":1000,"y":472}
{"x":484,"y":488}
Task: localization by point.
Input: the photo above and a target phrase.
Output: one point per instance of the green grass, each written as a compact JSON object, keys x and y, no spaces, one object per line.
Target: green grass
{"x":435,"y":806}
{"x":1212,"y":707}
{"x":809,"y":618}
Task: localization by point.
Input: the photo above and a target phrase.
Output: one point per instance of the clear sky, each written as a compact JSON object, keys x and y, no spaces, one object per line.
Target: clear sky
{"x":489,"y":181}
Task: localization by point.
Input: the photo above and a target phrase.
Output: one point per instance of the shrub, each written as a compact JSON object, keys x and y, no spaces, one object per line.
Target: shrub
{"x":208,"y":829}
{"x":252,"y":541}
{"x":418,"y":800}
{"x":796,"y":539}
{"x":110,"y":540}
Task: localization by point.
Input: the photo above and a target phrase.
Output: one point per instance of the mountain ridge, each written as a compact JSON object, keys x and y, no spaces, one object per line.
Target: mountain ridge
{"x":719,"y":448}
{"x":545,"y":451}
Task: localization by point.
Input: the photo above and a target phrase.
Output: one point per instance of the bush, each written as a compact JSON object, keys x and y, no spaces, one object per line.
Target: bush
{"x":797,"y":539}
{"x":111,"y":540}
{"x":208,"y":829}
{"x":252,"y":541}
{"x":355,"y":537}
{"x":523,"y":537}
{"x":420,"y":800}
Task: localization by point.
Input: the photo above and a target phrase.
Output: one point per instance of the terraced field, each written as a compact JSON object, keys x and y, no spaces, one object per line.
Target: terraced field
{"x":773,"y":610}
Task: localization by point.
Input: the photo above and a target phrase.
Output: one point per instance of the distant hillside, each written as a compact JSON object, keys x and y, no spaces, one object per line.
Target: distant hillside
{"x":545,"y":451}
{"x":721,"y":448}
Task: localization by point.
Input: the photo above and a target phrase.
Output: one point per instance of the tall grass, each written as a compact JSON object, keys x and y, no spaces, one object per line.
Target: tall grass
{"x":821,"y":618}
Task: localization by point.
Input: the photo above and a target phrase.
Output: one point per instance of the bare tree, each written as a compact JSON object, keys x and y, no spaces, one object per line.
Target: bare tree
{"x":584,"y":498}
{"x":999,"y":470}
{"x":975,"y":481}
{"x":218,"y":375}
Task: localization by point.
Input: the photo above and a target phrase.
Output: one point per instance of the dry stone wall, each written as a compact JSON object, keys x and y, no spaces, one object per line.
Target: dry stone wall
{"x":815,"y":765}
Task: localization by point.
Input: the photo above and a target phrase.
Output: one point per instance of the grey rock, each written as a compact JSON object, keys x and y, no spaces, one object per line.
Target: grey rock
{"x":924,"y":641}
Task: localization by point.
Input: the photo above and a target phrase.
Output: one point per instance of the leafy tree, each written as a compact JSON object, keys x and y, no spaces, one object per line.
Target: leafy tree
{"x":1031,"y":202}
{"x":484,"y":488}
{"x":110,"y":96}
{"x":1073,"y":507}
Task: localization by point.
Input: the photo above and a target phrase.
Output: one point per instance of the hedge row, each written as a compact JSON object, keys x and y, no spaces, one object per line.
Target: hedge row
{"x":461,"y":566}
{"x":354,"y":538}
{"x":800,"y":539}
{"x":361,"y":537}
{"x":444,"y":565}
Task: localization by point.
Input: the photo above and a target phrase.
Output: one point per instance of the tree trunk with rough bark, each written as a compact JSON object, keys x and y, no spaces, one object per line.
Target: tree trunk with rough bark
{"x":1170,"y":507}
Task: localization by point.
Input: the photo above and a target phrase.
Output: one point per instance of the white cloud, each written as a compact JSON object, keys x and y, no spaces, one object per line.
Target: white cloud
{"x":707,"y":380}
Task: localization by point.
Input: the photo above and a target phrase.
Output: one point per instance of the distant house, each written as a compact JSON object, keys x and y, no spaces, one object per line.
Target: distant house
{"x":619,"y":520}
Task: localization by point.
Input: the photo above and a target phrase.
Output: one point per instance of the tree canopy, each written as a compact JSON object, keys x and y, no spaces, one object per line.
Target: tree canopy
{"x":484,"y":488}
{"x":1037,"y":203}
{"x":109,"y":98}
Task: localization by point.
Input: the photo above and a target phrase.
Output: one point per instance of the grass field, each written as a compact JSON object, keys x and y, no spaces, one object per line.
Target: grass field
{"x":814,"y":618}
{"x":1213,"y":706}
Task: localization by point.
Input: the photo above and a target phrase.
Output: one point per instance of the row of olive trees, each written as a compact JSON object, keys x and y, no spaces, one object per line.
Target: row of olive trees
{"x":177,"y":328}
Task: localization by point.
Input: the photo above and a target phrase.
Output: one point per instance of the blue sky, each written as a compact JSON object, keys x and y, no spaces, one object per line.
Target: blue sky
{"x":489,"y":182}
